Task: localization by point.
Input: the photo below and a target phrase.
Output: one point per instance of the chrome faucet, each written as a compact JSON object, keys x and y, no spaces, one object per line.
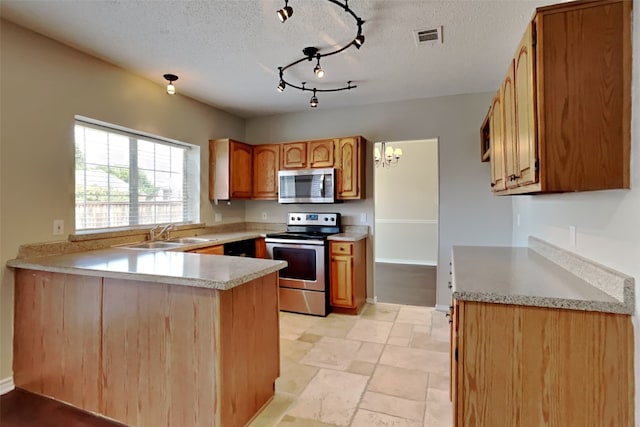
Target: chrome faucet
{"x":154,"y":234}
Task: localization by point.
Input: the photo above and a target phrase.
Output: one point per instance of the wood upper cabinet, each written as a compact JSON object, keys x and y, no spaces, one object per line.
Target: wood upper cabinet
{"x":293,"y":155}
{"x":266,"y":161}
{"x":320,"y":153}
{"x":350,"y":165}
{"x":567,"y":101}
{"x":230,"y":169}
{"x":497,"y":144}
{"x":348,"y":276}
{"x":509,"y":129}
{"x":525,"y":115}
{"x":532,"y":366}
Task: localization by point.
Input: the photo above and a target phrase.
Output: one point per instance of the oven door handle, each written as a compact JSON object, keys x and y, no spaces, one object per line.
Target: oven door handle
{"x":293,"y":242}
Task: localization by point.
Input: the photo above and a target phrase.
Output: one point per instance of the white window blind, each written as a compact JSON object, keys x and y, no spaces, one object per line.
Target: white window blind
{"x":128,"y":179}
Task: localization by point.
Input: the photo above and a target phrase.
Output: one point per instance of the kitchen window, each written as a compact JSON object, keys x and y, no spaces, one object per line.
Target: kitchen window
{"x":126,"y":178}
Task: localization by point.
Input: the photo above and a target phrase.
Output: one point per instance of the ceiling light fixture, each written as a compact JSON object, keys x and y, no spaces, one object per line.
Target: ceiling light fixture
{"x":285,"y":13}
{"x":385,"y":155}
{"x":171,"y":89}
{"x":313,"y":52}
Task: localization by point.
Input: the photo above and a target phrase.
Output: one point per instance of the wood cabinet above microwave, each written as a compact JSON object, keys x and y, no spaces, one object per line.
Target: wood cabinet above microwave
{"x":307,"y":154}
{"x":561,"y":120}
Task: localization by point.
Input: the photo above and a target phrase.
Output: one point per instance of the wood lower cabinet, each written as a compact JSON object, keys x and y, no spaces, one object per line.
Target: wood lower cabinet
{"x":348,"y":276}
{"x":57,"y":339}
{"x":148,"y":354}
{"x":566,"y":103}
{"x":261,"y":248}
{"x":266,"y":161}
{"x":533,"y":366}
{"x":210,"y":250}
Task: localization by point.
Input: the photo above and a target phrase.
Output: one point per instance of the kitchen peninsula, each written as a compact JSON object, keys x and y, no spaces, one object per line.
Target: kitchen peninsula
{"x":149,"y":338}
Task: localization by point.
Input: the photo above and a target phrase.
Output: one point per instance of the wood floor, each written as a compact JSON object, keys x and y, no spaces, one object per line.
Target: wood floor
{"x":406,"y":284}
{"x":19,"y":408}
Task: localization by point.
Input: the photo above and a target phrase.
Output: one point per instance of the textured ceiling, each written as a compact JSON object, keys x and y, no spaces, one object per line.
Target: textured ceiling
{"x":227,"y":53}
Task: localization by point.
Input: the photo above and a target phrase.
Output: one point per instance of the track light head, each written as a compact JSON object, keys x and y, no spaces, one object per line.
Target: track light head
{"x":285,"y":13}
{"x":359,"y":41}
{"x":281,"y":86}
{"x":314,"y":100}
{"x":319,"y":72}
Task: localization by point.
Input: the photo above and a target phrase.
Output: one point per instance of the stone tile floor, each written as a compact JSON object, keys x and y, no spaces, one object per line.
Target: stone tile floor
{"x":389,"y":366}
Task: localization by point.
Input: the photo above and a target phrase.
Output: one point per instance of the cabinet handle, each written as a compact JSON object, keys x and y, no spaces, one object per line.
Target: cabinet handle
{"x":493,"y":184}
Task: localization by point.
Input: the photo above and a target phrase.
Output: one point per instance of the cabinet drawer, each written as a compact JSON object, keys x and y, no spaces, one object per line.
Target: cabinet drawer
{"x":342,"y":248}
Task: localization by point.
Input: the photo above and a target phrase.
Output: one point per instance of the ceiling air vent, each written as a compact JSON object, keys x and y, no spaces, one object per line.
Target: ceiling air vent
{"x":428,"y":37}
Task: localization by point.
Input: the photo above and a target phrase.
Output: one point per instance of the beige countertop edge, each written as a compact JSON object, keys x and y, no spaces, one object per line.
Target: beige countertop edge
{"x":348,"y":237}
{"x":201,"y":282}
{"x":548,"y":302}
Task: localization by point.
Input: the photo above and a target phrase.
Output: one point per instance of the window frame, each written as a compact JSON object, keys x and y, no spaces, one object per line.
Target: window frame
{"x":191,"y":178}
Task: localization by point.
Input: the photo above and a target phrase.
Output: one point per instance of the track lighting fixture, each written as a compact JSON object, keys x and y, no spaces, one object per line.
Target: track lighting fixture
{"x":313,"y":52}
{"x":171,"y":89}
{"x":285,"y":13}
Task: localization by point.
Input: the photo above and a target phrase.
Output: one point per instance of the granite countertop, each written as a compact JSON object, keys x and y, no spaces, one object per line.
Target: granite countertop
{"x":530,"y":276}
{"x":349,"y":236}
{"x":170,"y":267}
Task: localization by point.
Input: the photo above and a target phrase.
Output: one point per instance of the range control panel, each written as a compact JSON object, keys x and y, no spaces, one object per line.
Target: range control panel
{"x":308,"y":218}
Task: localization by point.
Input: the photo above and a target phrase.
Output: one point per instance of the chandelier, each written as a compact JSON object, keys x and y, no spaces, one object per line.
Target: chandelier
{"x":310,"y":53}
{"x":385,"y":155}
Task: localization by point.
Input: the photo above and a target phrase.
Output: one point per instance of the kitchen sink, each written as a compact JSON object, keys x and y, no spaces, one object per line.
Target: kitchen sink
{"x":158,"y":245}
{"x":189,"y":240}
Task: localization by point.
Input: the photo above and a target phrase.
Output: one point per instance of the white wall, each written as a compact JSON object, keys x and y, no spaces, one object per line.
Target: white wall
{"x":44,"y":85}
{"x":406,"y":226}
{"x":468,"y":213}
{"x":607,"y":222}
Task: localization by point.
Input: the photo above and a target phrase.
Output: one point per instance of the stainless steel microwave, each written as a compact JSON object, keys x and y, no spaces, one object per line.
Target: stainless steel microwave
{"x":306,"y":186}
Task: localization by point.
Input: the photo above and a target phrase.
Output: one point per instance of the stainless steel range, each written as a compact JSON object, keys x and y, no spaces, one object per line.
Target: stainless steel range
{"x":304,"y":284}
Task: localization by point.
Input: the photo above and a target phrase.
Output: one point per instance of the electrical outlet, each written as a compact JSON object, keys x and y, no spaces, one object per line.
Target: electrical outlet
{"x":58,"y":227}
{"x":218,"y":217}
{"x":363,"y":218}
{"x":264,"y":216}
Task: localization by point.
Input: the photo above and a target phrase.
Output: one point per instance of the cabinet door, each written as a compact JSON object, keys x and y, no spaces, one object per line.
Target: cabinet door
{"x":497,"y":146}
{"x":293,"y":155}
{"x":240,"y":170}
{"x":525,"y":103}
{"x":210,"y":250}
{"x":342,"y":281}
{"x":266,"y":159}
{"x":320,"y":153}
{"x":261,"y":248}
{"x":350,"y":168}
{"x":509,"y":136}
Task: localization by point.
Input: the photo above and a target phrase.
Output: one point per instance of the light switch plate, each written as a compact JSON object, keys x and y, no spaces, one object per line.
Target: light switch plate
{"x":218,"y":217}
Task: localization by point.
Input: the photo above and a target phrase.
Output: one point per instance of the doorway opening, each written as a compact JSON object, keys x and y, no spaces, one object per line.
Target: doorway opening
{"x":406,"y":225}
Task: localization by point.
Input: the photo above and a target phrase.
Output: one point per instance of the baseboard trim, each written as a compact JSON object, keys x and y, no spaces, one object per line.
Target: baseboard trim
{"x":406,"y":261}
{"x":6,"y":385}
{"x":373,"y":300}
{"x":442,"y":307}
